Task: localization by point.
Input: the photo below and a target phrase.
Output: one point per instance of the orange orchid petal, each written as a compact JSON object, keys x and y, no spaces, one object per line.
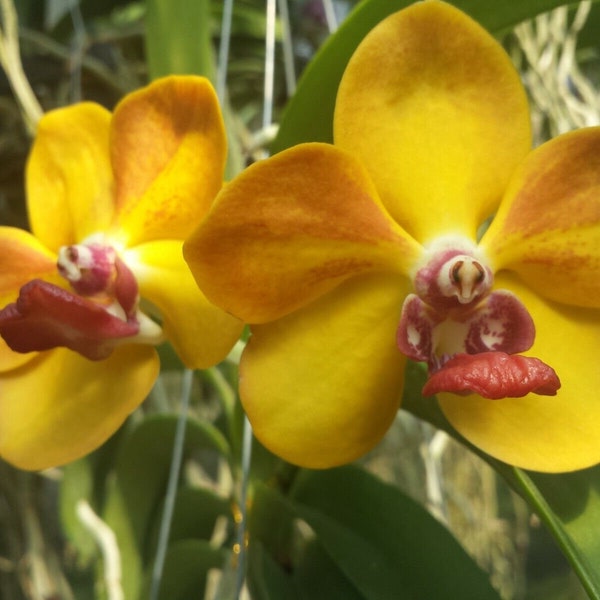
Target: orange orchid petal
{"x":60,"y":406}
{"x":548,"y":226}
{"x":291,"y":228}
{"x":69,"y":177}
{"x":432,"y":106}
{"x":168,"y":151}
{"x":22,"y":258}
{"x":543,"y":433}
{"x":201,"y":333}
{"x":322,"y":386}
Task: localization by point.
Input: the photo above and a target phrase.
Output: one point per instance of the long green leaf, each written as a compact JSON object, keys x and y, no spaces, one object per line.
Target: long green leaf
{"x":371,"y":541}
{"x":309,"y":114}
{"x":386,"y":544}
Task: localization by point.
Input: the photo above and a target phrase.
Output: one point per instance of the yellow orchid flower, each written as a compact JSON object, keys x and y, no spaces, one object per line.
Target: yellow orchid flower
{"x":101,"y":279}
{"x":345,"y":259}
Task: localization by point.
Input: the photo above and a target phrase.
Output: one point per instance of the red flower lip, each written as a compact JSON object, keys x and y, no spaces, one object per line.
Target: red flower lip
{"x":494,"y":375}
{"x":46,"y":316}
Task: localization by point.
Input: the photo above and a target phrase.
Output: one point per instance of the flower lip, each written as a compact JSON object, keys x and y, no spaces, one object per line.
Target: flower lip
{"x":468,"y":335}
{"x":46,"y":316}
{"x":494,"y":375}
{"x":100,"y":313}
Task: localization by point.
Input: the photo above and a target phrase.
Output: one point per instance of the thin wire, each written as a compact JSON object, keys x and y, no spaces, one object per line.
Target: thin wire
{"x":165,"y":524}
{"x":288,"y":50}
{"x":241,"y":532}
{"x":269,"y":65}
{"x":247,"y":434}
{"x":330,"y":17}
{"x":224,"y":50}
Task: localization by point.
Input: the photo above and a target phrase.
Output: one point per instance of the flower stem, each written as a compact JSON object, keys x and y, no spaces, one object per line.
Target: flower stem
{"x":10,"y":60}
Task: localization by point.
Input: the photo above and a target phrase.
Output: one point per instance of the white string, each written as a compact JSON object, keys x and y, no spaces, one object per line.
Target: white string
{"x":171,"y":493}
{"x":269,"y":65}
{"x":330,"y":17}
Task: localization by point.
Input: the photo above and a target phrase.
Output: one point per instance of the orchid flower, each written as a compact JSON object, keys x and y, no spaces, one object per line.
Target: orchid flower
{"x":101,"y":279}
{"x":347,"y":258}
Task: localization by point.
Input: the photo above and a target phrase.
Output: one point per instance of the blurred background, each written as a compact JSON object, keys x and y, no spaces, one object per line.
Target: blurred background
{"x":101,"y":49}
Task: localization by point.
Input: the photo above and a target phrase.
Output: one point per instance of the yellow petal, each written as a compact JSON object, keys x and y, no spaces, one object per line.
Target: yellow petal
{"x":168,"y":152}
{"x":201,"y":333}
{"x":291,"y":228}
{"x":60,"y":406}
{"x":543,"y":433}
{"x":548,"y":226}
{"x":432,"y":106}
{"x":69,"y":177}
{"x":11,"y":360}
{"x":322,"y":386}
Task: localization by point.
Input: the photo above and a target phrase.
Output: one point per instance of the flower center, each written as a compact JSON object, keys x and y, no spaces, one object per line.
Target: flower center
{"x":95,"y":270}
{"x":454,"y":313}
{"x":102,"y":312}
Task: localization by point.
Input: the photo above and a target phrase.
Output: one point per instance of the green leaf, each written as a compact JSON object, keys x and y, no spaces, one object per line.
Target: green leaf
{"x":318,"y":577}
{"x":185,"y":570}
{"x":270,"y":522}
{"x":567,"y":503}
{"x":267,"y":580}
{"x":309,"y":114}
{"x":385,"y":543}
{"x":196,"y":512}
{"x":315,"y":576}
{"x":135,"y":496}
{"x":366,"y":539}
{"x":178,"y":38}
{"x":77,"y":484}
